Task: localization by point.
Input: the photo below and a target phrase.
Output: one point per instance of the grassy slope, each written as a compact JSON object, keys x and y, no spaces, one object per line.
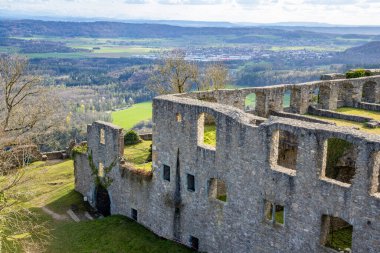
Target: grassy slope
{"x":129,"y":117}
{"x":354,"y":111}
{"x":138,"y":153}
{"x":53,"y":186}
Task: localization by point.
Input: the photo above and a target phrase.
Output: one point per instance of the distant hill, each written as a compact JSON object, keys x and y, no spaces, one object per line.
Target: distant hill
{"x":105,"y":29}
{"x":366,"y":49}
{"x":368,"y":53}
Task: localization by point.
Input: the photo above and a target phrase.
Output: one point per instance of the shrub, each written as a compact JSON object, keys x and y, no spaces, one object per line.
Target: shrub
{"x":358,"y":73}
{"x":131,"y":137}
{"x":79,"y":149}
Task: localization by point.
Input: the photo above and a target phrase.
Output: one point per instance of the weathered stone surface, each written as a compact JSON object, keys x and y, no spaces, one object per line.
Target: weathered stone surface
{"x":246,"y":160}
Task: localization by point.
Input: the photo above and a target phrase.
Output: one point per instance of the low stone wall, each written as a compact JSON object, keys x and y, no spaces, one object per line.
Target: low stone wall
{"x":299,"y":117}
{"x":146,"y":136}
{"x":333,"y":76}
{"x":54,"y":155}
{"x":336,"y":115}
{"x":368,"y":106}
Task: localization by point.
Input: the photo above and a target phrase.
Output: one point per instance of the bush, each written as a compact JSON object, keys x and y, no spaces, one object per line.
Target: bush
{"x":358,"y":73}
{"x":79,"y":149}
{"x":131,"y":137}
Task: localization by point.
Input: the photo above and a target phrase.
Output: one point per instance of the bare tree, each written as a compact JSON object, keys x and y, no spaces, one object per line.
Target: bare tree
{"x":174,"y":75}
{"x":215,"y":77}
{"x":25,"y":111}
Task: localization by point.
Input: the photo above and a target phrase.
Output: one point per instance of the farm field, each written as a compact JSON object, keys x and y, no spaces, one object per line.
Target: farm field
{"x":53,"y":188}
{"x":129,"y":117}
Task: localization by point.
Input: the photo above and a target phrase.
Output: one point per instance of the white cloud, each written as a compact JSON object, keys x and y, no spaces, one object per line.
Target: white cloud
{"x":258,"y":11}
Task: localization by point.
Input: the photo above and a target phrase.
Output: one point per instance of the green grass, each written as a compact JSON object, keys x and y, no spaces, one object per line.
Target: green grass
{"x":210,"y":135}
{"x":359,"y":112}
{"x":340,"y":239}
{"x":354,"y":111}
{"x":111,"y":234}
{"x":53,"y":186}
{"x":279,"y":217}
{"x":222,"y":198}
{"x":129,"y":117}
{"x":137,"y":155}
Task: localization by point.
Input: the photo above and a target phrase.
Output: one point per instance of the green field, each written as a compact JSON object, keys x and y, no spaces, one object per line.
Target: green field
{"x":51,"y":185}
{"x":129,"y":117}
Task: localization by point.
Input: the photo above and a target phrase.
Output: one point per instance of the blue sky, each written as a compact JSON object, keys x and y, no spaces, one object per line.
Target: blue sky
{"x":360,"y":12}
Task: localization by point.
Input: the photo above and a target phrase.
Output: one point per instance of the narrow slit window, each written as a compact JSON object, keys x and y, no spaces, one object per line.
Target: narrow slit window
{"x":102,"y":136}
{"x":190,"y":182}
{"x":166,"y":173}
{"x":101,"y":170}
{"x":194,"y":242}
{"x":178,"y":117}
{"x":134,"y":214}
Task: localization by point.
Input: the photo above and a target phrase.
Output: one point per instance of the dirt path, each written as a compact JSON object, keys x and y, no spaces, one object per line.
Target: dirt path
{"x":54,"y":215}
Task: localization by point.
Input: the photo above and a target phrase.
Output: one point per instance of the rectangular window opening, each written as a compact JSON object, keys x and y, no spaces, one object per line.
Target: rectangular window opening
{"x":190,"y":182}
{"x":166,"y":173}
{"x":101,"y":170}
{"x":274,"y":213}
{"x":279,"y":216}
{"x":194,"y":242}
{"x":340,"y":158}
{"x":336,"y":233}
{"x":207,"y":130}
{"x":217,"y":189}
{"x":134,"y":214}
{"x":102,"y":136}
{"x":284,"y":151}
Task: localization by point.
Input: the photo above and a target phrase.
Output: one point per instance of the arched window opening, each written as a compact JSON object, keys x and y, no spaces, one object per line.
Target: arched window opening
{"x":207,"y":130}
{"x":250,"y":102}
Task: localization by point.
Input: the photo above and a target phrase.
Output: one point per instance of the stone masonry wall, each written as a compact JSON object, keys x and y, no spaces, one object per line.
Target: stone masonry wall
{"x":245,"y":159}
{"x":331,"y":94}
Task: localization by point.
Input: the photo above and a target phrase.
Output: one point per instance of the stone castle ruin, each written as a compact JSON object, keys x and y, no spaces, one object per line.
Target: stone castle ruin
{"x":275,"y":181}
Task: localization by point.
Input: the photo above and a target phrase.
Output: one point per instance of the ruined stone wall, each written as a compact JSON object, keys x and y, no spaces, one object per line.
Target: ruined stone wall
{"x":243,"y":159}
{"x":246,"y":160}
{"x":331,"y":94}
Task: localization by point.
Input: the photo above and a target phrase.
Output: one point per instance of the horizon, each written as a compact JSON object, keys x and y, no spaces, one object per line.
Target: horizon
{"x":257,"y":12}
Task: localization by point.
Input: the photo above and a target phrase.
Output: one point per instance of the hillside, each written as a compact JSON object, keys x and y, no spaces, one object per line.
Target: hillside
{"x":52,"y":194}
{"x":366,"y":49}
{"x":368,"y":53}
{"x":102,"y":29}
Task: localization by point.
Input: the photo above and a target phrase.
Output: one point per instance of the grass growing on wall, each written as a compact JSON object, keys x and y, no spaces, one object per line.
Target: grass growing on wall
{"x":129,"y":117}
